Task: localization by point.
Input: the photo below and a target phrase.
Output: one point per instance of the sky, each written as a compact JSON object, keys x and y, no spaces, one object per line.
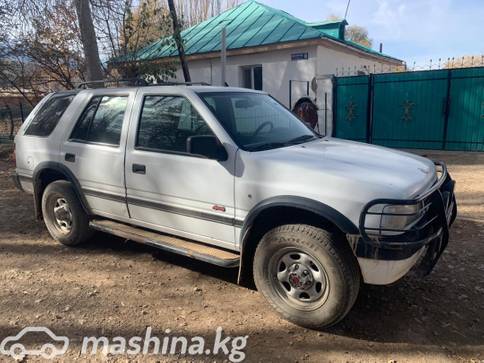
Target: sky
{"x":411,"y":30}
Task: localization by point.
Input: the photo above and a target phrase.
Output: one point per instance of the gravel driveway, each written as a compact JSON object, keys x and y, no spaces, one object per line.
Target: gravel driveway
{"x":111,"y":287}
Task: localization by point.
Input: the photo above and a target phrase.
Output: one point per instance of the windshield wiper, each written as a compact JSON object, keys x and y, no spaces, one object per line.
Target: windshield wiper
{"x":300,"y":139}
{"x":267,"y":146}
{"x":274,"y":145}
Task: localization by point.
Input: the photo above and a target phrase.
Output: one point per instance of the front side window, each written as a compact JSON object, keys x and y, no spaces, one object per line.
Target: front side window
{"x":49,"y":115}
{"x":257,"y":121}
{"x":102,"y":120}
{"x":167,"y":122}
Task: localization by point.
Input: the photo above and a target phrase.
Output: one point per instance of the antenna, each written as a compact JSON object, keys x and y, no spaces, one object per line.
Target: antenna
{"x":347,"y":8}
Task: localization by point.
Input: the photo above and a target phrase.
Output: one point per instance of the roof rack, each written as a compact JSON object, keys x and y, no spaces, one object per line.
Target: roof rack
{"x":139,"y":82}
{"x":135,"y":81}
{"x":180,"y":84}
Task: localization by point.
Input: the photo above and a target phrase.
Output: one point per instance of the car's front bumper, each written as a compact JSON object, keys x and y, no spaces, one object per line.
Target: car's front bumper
{"x":385,"y":258}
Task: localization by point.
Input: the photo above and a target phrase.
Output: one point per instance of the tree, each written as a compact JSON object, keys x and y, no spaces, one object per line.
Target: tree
{"x":178,"y":41}
{"x":124,"y":29}
{"x":48,"y":45}
{"x":358,"y":34}
{"x":89,"y":43}
{"x":192,"y":12}
{"x":354,"y":33}
{"x":39,"y":48}
{"x":334,"y":18}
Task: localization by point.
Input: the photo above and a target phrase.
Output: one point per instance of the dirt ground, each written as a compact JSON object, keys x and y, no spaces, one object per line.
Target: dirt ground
{"x":111,"y":287}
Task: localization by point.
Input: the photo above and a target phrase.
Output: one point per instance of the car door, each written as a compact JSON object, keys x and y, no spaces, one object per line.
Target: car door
{"x":94,"y":149}
{"x":169,"y":189}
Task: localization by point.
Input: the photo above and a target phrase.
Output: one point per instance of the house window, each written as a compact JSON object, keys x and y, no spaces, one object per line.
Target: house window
{"x":252,"y":77}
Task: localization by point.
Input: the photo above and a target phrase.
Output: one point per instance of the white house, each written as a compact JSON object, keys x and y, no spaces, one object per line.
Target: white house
{"x":272,"y":50}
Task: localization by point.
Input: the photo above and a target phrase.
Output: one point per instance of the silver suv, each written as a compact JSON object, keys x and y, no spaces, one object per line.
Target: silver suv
{"x":230,"y":177}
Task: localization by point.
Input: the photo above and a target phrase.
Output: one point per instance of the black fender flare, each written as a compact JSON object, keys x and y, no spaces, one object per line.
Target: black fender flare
{"x":306,"y":204}
{"x":69,"y":176}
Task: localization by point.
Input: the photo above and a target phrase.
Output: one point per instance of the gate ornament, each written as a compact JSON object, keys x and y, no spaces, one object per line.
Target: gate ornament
{"x":407,"y":115}
{"x":350,"y":110}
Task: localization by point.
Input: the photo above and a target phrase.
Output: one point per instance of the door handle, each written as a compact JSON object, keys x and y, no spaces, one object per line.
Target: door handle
{"x":70,"y":158}
{"x":139,"y":169}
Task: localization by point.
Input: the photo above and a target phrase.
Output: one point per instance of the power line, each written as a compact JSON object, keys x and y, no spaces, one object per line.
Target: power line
{"x":347,"y":8}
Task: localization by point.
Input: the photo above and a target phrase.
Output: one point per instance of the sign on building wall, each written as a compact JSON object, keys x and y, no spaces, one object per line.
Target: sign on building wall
{"x":299,"y":56}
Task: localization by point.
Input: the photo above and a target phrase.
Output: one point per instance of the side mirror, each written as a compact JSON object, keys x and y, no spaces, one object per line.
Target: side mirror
{"x":208,"y":146}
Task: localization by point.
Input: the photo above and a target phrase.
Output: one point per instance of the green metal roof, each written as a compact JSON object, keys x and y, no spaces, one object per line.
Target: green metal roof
{"x":332,"y":28}
{"x":248,"y":25}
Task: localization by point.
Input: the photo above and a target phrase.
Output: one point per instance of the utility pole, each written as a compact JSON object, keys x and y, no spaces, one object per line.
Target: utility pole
{"x":223,"y":56}
{"x":89,"y":42}
{"x":178,"y":41}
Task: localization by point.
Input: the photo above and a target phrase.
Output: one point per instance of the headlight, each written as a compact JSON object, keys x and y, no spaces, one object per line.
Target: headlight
{"x":399,"y":216}
{"x":391,"y":219}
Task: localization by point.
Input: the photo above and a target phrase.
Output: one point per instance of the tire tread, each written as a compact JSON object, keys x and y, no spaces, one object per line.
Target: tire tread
{"x":303,"y":234}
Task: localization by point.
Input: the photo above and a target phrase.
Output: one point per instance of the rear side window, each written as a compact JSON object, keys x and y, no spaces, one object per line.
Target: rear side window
{"x":102,"y":120}
{"x":49,"y":115}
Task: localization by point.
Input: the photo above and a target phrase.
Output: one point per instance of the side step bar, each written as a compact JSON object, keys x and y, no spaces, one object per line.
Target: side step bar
{"x":196,"y":250}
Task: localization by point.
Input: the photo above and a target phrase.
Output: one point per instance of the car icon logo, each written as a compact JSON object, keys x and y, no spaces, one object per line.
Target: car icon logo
{"x":55,"y":346}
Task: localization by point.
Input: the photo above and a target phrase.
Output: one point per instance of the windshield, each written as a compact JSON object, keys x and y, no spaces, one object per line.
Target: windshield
{"x":257,"y":121}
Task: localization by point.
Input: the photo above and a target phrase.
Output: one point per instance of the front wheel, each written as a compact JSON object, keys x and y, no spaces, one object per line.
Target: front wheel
{"x":307,"y":274}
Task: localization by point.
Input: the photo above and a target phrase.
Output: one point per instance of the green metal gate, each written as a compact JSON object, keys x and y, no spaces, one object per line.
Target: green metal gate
{"x":465,"y":129}
{"x":351,"y":105}
{"x":440,"y":109}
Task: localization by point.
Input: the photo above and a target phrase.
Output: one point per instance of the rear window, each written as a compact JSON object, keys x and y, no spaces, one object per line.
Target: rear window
{"x":46,"y":119}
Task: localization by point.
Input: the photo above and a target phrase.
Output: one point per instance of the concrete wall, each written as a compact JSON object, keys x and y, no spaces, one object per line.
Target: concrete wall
{"x":340,"y":63}
{"x":277,"y":70}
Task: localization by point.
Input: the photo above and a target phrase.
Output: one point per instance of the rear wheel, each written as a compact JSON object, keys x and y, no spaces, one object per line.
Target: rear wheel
{"x":307,"y":274}
{"x":63,"y":214}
